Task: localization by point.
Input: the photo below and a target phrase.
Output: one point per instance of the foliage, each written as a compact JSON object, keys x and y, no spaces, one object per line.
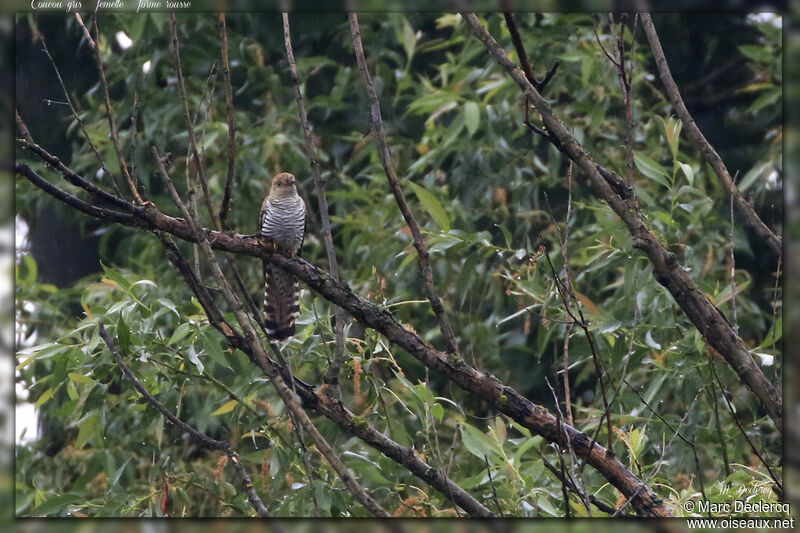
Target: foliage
{"x":492,"y":198}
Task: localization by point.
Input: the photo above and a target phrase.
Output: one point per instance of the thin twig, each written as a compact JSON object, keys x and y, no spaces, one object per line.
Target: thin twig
{"x":75,"y":114}
{"x":112,"y":125}
{"x":751,"y":219}
{"x":86,"y":32}
{"x":388,"y":166}
{"x":604,"y":507}
{"x":527,"y":67}
{"x":491,"y":484}
{"x":202,"y":438}
{"x":625,"y":85}
{"x":332,"y":373}
{"x":568,"y":327}
{"x":134,"y":123}
{"x":676,"y":433}
{"x":723,"y":446}
{"x":772,"y":474}
{"x":229,"y":110}
{"x":775,"y":359}
{"x":201,"y":164}
{"x":560,"y":416}
{"x":567,"y":293}
{"x":597,"y":38}
{"x":516,"y":40}
{"x":734,"y":317}
{"x":23,"y":128}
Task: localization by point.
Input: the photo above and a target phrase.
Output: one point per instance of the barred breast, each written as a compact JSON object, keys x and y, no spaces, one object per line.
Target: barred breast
{"x":283,"y":220}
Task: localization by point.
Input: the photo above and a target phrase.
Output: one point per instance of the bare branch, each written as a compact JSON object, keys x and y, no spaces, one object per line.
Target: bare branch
{"x":709,"y":320}
{"x":226,"y":71}
{"x":527,"y":67}
{"x":751,"y":219}
{"x":75,"y":113}
{"x":332,"y":374}
{"x":112,"y":124}
{"x":386,"y":160}
{"x":201,"y":164}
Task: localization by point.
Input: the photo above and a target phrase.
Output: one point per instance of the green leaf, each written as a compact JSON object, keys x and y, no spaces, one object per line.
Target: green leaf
{"x":526,"y":445}
{"x":479,"y":444}
{"x":27,"y":276}
{"x":688,"y":171}
{"x":124,"y":335}
{"x":80,"y":378}
{"x":778,"y":329}
{"x":40,"y":351}
{"x":438,"y":411}
{"x":46,"y":395}
{"x":87,"y":430}
{"x":472,"y":116}
{"x":120,"y":470}
{"x":180,"y":332}
{"x":672,"y":132}
{"x":759,"y":54}
{"x":432,"y":206}
{"x":769,"y":97}
{"x":638,"y":438}
{"x":648,"y":339}
{"x":227,"y":407}
{"x":115,"y":276}
{"x":409,"y":39}
{"x":55,"y":504}
{"x":753,"y":175}
{"x":194,"y":357}
{"x":651,"y":168}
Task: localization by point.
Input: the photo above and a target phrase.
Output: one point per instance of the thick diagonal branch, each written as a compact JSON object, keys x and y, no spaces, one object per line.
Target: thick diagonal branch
{"x":503,"y":398}
{"x":751,"y":219}
{"x":271,"y":370}
{"x":388,"y":166}
{"x":709,"y":320}
{"x":322,"y":403}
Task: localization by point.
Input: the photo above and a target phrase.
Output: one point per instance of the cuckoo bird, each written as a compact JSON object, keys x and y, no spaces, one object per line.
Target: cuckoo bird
{"x":283,"y":220}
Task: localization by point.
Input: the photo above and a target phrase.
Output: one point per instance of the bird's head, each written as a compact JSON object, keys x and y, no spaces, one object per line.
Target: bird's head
{"x":283,"y":185}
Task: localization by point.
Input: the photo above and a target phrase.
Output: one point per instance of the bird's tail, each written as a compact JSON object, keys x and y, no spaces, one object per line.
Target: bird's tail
{"x":281,"y":303}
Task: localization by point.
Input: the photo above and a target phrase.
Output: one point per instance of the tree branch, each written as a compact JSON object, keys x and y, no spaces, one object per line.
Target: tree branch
{"x":527,"y":67}
{"x":75,"y":112}
{"x":226,"y":72}
{"x":272,"y":371}
{"x":324,"y":404}
{"x":332,"y":374}
{"x":386,"y":160}
{"x":202,"y":438}
{"x":751,"y":219}
{"x":112,"y":125}
{"x":501,"y":397}
{"x":709,"y":320}
{"x":201,"y":164}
